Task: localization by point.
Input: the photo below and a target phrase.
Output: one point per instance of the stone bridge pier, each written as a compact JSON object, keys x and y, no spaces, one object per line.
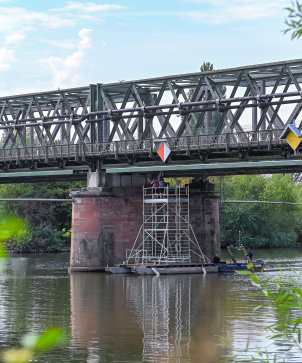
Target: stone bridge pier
{"x":107,"y":219}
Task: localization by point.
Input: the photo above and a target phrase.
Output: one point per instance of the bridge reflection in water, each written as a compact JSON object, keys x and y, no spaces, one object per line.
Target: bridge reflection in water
{"x":128,"y":318}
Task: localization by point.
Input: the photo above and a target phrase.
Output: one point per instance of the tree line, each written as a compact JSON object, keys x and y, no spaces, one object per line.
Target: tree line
{"x":48,"y":224}
{"x":262,"y":225}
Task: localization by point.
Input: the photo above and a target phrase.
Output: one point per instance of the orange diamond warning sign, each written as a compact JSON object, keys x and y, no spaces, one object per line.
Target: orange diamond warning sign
{"x":164,"y":151}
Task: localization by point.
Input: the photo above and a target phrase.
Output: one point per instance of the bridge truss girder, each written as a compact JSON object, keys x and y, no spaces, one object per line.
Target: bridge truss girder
{"x":68,"y":116}
{"x":220,"y":102}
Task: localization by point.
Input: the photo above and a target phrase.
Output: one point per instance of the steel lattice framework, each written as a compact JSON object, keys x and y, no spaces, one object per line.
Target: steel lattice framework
{"x":122,"y":122}
{"x":166,"y":236}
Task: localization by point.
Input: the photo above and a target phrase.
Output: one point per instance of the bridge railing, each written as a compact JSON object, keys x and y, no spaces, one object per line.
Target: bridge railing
{"x":224,"y":141}
{"x":250,"y":139}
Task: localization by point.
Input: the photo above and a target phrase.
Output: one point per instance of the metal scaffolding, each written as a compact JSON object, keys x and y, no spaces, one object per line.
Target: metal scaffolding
{"x":167,"y":236}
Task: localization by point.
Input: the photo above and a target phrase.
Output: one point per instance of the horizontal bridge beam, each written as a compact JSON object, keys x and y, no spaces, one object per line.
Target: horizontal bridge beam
{"x":54,"y":175}
{"x":34,"y":174}
{"x":231,"y":168}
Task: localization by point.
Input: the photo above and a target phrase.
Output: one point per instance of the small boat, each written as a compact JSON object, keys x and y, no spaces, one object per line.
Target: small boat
{"x":256,"y":266}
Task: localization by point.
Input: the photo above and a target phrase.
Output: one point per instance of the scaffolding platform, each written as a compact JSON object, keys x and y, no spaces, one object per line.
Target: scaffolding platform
{"x":166,"y":241}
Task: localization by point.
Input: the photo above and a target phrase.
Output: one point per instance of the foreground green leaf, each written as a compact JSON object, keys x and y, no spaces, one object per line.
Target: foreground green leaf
{"x":50,"y":338}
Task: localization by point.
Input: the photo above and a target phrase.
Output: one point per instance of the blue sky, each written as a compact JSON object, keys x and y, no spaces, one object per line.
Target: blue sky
{"x":49,"y":44}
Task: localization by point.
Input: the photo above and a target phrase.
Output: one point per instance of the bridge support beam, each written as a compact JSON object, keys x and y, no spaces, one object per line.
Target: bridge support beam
{"x":105,"y":223}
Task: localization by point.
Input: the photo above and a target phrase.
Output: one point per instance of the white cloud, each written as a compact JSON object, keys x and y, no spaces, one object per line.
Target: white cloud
{"x":216,"y":12}
{"x":90,"y":7}
{"x":64,"y":70}
{"x":278,"y":3}
{"x":14,"y":38}
{"x":16,"y":22}
{"x":221,"y":12}
{"x":6,"y":56}
{"x":15,"y":18}
{"x":63,"y":44}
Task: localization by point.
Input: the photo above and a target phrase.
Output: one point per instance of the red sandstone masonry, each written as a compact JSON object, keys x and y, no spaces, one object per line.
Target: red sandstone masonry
{"x":103,"y":228}
{"x":107,"y":225}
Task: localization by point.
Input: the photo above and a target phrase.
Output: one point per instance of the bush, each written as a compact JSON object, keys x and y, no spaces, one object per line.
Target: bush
{"x":45,"y":220}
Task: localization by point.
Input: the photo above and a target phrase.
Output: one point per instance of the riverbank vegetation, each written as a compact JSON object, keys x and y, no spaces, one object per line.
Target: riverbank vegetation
{"x":262,"y":225}
{"x":48,"y":223}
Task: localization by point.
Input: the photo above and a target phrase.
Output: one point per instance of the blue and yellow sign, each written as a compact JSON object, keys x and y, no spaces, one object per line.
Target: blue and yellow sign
{"x":292,"y":135}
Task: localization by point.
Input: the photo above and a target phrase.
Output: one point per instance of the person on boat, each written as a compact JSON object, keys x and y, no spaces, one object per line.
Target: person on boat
{"x":216,"y":259}
{"x":250,"y":255}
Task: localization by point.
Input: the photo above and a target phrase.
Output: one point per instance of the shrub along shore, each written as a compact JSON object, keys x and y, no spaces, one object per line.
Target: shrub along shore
{"x":48,"y":224}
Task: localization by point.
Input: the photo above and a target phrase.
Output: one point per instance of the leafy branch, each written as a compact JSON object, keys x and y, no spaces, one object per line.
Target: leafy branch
{"x":284,"y":296}
{"x":294,"y":20}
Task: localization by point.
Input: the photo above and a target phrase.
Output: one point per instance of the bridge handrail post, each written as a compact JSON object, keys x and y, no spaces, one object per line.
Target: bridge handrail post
{"x":116,"y":149}
{"x":77,"y":151}
{"x":270,"y":139}
{"x":227,"y":139}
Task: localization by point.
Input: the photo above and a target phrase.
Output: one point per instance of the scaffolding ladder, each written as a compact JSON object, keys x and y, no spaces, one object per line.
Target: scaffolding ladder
{"x":166,"y":234}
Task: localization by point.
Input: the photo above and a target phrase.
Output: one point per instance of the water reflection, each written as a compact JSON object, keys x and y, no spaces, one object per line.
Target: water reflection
{"x":133,"y":319}
{"x":101,"y":321}
{"x":163,"y":308}
{"x":169,"y":318}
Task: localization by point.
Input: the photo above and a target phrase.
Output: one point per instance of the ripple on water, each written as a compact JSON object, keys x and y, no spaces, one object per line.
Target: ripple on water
{"x":133,"y":319}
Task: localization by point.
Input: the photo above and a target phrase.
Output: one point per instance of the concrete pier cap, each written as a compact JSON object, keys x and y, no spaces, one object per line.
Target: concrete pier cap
{"x":101,"y":179}
{"x":108,"y":213}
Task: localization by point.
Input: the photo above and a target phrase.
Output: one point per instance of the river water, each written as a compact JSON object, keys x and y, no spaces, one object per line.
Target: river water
{"x":125,"y":318}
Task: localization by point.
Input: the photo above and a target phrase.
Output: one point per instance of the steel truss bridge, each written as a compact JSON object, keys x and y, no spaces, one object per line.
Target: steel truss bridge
{"x":229,"y":115}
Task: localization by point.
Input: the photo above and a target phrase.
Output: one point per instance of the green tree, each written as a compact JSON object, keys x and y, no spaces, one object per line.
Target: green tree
{"x":262,"y":225}
{"x":47,"y":221}
{"x":212,"y":118}
{"x":206,"y":67}
{"x":294,"y":20}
